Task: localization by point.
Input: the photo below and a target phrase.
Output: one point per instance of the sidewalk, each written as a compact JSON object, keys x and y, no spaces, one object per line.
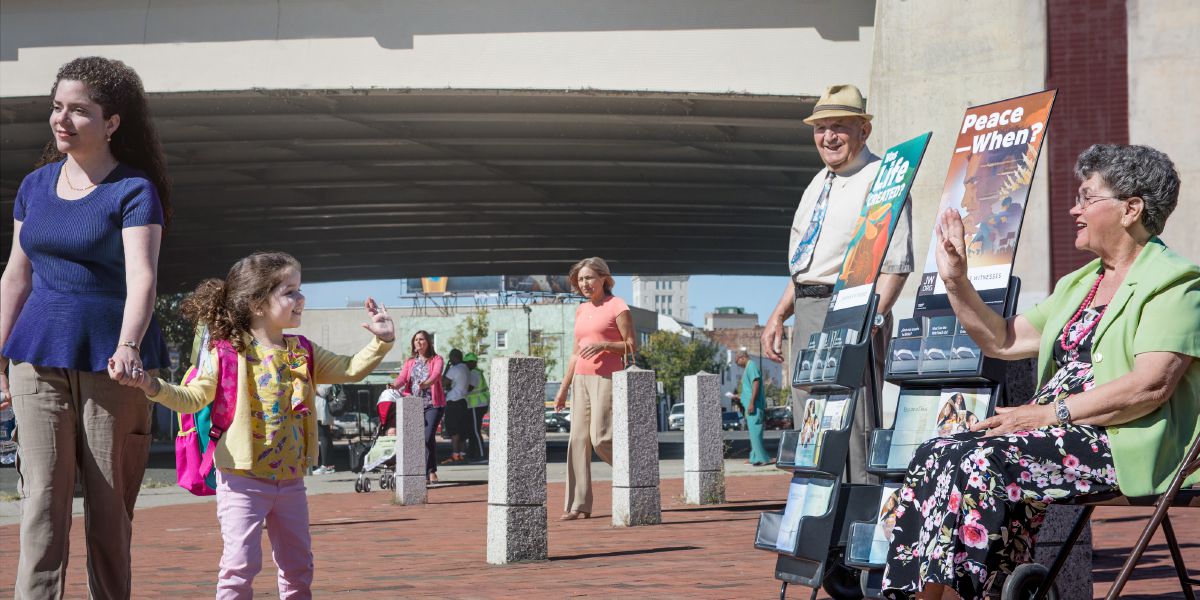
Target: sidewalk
{"x":366,"y":547}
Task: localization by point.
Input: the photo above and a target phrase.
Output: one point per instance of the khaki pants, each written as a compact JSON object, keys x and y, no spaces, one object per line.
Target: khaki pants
{"x":591,"y":427}
{"x":810,"y":316}
{"x":70,"y":420}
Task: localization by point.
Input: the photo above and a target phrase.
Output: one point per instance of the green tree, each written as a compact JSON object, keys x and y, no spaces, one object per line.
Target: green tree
{"x":471,"y":335}
{"x":544,"y":347}
{"x":177,"y":330}
{"x":673,"y":356}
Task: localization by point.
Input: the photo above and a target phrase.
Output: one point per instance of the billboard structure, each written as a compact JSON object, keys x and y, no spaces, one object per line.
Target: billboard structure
{"x":494,"y":284}
{"x":988,"y":184}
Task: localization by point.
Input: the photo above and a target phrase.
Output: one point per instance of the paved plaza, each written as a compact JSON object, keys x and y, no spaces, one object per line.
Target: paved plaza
{"x":367,"y":547}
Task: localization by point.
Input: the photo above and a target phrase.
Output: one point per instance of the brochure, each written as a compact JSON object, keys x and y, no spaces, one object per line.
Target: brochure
{"x":882,"y":540}
{"x":810,"y":431}
{"x":924,"y":414}
{"x":789,"y":525}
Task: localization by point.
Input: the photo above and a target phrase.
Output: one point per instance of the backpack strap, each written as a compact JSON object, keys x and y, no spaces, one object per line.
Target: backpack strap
{"x":224,"y":399}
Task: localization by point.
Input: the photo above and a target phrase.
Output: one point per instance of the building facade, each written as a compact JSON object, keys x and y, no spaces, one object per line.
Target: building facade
{"x":663,"y":294}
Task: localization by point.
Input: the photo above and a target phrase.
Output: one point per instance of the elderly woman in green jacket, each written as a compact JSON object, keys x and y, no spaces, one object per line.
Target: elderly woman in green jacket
{"x":1116,"y":343}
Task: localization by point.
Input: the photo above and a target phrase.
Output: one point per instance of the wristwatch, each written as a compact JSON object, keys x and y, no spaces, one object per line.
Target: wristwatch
{"x":1061,"y":412}
{"x":878,"y":320}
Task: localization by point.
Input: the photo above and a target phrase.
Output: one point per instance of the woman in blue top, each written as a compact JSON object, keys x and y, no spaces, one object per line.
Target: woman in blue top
{"x":76,"y":321}
{"x":756,"y":407}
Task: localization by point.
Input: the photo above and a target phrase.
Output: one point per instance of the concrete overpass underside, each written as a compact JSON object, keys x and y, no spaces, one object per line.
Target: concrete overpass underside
{"x":380,"y":184}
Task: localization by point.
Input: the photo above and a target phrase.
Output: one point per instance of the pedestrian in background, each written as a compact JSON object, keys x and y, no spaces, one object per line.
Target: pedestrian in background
{"x":77,"y":300}
{"x":421,"y":377}
{"x":751,"y":393}
{"x":477,"y":401}
{"x":458,"y":414}
{"x":324,"y":431}
{"x":603,"y":335}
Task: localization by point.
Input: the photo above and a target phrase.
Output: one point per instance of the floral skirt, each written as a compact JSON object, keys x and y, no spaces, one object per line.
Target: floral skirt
{"x":970,"y":506}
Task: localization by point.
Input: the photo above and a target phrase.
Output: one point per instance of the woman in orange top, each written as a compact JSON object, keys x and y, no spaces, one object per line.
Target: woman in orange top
{"x":603,"y":334}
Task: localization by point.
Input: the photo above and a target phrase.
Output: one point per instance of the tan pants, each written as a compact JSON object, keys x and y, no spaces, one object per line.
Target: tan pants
{"x":70,"y":420}
{"x":810,"y":316}
{"x":591,"y":427}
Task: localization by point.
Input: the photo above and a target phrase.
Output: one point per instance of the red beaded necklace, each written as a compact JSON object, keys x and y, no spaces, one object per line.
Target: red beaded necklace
{"x":1066,"y":342}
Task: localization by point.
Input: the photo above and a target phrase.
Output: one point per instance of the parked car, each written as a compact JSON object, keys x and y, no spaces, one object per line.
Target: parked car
{"x":675,"y":417}
{"x":352,"y":424}
{"x":779,"y":417}
{"x":731,"y":420}
{"x":556,"y":421}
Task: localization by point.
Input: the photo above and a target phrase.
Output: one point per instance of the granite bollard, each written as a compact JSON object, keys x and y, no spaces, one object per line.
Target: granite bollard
{"x":703,"y":440}
{"x":410,"y":451}
{"x":516,"y":530}
{"x":635,"y":493}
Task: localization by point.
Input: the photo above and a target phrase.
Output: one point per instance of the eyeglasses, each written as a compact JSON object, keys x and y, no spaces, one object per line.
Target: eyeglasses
{"x":1083,"y":201}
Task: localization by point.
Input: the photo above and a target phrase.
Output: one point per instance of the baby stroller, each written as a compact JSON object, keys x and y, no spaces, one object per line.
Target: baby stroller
{"x":380,"y":456}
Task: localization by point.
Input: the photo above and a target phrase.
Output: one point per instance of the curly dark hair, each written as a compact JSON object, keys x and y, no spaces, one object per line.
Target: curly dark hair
{"x":118,"y":90}
{"x":225,"y":306}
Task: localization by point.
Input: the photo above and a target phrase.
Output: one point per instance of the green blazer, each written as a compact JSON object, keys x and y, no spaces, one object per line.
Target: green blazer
{"x":1157,"y":309}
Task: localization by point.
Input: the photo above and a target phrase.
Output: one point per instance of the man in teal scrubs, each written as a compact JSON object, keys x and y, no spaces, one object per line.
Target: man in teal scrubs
{"x":756,"y":406}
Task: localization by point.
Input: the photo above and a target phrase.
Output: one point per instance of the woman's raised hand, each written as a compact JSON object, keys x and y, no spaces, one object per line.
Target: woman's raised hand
{"x":951,"y":252}
{"x":381,"y":322}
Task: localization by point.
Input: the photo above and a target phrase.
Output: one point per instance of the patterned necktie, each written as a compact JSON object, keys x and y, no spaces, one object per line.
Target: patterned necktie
{"x":804,"y":250}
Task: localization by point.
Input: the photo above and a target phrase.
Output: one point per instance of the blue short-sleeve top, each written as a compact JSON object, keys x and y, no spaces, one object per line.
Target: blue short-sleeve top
{"x":72,"y":317}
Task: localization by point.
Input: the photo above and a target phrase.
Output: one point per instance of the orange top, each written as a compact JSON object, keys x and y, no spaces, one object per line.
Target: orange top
{"x":595,"y":324}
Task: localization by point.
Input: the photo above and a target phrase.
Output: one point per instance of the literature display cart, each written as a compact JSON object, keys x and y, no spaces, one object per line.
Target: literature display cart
{"x":809,"y":535}
{"x":946,"y":384}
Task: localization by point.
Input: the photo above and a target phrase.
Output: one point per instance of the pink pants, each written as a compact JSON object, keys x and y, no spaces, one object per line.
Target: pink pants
{"x":243,"y":503}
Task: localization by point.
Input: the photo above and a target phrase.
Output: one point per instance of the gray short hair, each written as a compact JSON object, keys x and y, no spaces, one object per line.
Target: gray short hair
{"x":1138,"y":171}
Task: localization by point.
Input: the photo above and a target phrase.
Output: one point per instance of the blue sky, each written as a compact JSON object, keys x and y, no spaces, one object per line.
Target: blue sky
{"x":755,"y":294}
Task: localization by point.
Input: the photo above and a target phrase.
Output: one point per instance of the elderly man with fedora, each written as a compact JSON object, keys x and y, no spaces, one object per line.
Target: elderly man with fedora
{"x":821,"y":230}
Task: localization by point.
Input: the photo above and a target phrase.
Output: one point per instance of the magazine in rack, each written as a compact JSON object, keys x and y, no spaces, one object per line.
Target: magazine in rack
{"x":820,"y":414}
{"x":923,"y":414}
{"x":806,"y":498}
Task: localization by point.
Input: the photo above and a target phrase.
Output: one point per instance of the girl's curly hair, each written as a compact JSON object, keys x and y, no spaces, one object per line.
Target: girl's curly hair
{"x":225,"y":306}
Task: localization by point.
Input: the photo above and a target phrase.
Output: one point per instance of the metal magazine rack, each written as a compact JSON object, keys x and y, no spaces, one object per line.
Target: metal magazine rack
{"x":820,"y":505}
{"x":934,"y":373}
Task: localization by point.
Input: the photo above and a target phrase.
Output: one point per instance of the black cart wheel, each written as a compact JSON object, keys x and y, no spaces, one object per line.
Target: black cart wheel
{"x":366,"y":484}
{"x":1024,"y":582}
{"x":358,"y":486}
{"x":841,"y":582}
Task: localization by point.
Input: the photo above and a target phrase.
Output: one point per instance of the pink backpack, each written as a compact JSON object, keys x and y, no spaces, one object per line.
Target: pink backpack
{"x":196,"y":443}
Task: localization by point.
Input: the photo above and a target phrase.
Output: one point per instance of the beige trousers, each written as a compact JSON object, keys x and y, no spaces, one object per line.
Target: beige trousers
{"x":70,"y":421}
{"x":591,"y":428}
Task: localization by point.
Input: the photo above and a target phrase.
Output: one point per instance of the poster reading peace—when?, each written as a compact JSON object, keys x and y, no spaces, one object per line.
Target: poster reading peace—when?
{"x":988,"y":183}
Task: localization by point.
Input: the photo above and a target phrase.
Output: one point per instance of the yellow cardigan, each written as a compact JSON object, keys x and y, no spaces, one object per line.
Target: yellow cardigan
{"x":234,"y":449}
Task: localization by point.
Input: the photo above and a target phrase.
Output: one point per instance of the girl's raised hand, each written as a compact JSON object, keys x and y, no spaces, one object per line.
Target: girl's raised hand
{"x":381,"y":322}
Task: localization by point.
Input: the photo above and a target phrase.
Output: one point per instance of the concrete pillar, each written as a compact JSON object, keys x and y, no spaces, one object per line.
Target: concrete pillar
{"x":635,"y":493}
{"x":517,"y":464}
{"x":703,"y":440}
{"x":410,"y":451}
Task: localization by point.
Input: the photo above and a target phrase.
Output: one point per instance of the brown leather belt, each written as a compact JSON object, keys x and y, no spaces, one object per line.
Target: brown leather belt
{"x":813,"y":291}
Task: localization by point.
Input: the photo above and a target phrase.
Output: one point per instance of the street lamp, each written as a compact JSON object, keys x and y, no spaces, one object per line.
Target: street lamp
{"x":528,"y":330}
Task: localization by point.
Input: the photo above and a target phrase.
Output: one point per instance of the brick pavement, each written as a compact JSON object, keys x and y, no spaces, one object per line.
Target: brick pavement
{"x":368,"y":548}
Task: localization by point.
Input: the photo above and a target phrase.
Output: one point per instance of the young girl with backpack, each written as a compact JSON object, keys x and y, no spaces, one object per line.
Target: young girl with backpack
{"x":271,"y":440}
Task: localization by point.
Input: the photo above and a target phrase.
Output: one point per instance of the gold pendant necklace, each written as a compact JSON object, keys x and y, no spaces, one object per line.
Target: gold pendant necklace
{"x":67,"y":177}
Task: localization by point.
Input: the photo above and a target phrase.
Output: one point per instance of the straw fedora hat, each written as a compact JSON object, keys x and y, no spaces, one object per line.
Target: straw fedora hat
{"x":842,"y":100}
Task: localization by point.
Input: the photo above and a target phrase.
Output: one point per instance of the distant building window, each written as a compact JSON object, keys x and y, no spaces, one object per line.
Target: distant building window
{"x":643,"y":338}
{"x":668,"y":285}
{"x":501,"y":340}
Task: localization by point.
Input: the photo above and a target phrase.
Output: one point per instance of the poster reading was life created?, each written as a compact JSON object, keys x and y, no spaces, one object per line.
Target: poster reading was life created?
{"x":988,"y":184}
{"x":873,"y":232}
